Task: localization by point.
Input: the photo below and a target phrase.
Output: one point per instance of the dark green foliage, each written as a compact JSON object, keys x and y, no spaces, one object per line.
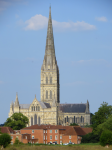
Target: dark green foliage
{"x":106,"y":138}
{"x":90,"y":138}
{"x":107,"y":125}
{"x":5,"y":139}
{"x":73,"y":124}
{"x":102,"y":115}
{"x":0,"y":131}
{"x":17,"y":121}
{"x":87,"y":126}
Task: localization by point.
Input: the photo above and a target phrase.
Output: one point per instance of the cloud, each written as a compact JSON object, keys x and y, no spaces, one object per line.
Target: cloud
{"x":103,"y":19}
{"x":38,"y":22}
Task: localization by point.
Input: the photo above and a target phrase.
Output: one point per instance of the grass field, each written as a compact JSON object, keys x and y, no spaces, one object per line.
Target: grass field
{"x":89,"y":146}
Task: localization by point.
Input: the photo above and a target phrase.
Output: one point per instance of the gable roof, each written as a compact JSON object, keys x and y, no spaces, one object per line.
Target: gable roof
{"x":79,"y":130}
{"x":70,"y":131}
{"x":87,"y":130}
{"x":73,"y":108}
{"x":8,"y":130}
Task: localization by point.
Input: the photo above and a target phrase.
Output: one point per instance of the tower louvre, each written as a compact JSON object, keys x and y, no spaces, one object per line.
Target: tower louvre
{"x":49,"y":69}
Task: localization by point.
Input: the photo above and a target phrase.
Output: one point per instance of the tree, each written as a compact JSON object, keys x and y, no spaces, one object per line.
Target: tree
{"x":74,"y":124}
{"x":107,"y":125}
{"x":5,"y":139}
{"x":90,"y":138}
{"x":106,"y":138}
{"x":16,"y":141}
{"x":101,"y":115}
{"x":17,"y":121}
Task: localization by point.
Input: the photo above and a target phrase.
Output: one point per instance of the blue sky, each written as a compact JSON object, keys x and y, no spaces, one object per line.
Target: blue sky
{"x":83,"y":46}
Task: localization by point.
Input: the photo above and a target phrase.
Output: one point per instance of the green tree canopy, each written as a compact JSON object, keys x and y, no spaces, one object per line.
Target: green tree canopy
{"x":5,"y":139}
{"x":106,"y":138}
{"x":17,"y":121}
{"x":101,"y":115}
{"x":107,"y":125}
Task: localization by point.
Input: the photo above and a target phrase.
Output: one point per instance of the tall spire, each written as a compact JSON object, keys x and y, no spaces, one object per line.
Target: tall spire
{"x":50,"y":40}
{"x":49,"y":58}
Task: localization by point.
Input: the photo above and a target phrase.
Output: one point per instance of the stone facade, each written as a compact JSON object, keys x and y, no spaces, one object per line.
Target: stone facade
{"x":49,"y":110}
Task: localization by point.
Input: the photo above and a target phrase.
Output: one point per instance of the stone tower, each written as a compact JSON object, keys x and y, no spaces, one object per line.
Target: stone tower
{"x":50,"y":86}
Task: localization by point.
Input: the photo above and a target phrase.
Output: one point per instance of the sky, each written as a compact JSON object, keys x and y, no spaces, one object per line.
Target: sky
{"x":82,"y":32}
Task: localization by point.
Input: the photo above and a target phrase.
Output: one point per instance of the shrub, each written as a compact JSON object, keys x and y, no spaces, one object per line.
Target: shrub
{"x":90,"y":138}
{"x":16,"y":141}
{"x":106,"y":138}
{"x":5,"y":139}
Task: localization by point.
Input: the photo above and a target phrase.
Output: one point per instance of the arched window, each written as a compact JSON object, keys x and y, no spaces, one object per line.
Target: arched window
{"x":38,"y":120}
{"x":35,"y":119}
{"x":46,"y":94}
{"x":46,"y":80}
{"x":81,"y":118}
{"x":31,"y":121}
{"x":38,"y":108}
{"x":50,"y":80}
{"x":32,"y":108}
{"x":50,"y":94}
{"x":74,"y":119}
{"x":67,"y":118}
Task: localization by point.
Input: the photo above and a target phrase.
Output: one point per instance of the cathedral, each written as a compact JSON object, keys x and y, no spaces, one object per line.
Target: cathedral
{"x":49,"y":110}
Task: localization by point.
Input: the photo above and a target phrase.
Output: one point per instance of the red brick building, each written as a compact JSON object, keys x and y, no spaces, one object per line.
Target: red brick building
{"x":56,"y":133}
{"x":47,"y":133}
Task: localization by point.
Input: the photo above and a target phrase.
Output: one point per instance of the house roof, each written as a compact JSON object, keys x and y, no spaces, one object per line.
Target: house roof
{"x":87,"y":130}
{"x":70,"y":131}
{"x":73,"y":108}
{"x":47,"y":127}
{"x":7,"y":130}
{"x":79,"y":130}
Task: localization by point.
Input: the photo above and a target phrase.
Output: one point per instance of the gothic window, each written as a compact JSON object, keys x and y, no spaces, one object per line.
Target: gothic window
{"x":31,"y":121}
{"x":81,"y":118}
{"x":39,"y":120}
{"x":50,"y":80}
{"x":50,"y":94}
{"x":46,"y":94}
{"x":74,"y":119}
{"x":32,"y":108}
{"x":35,"y":119}
{"x":38,"y":108}
{"x":46,"y":80}
{"x":67,"y":118}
